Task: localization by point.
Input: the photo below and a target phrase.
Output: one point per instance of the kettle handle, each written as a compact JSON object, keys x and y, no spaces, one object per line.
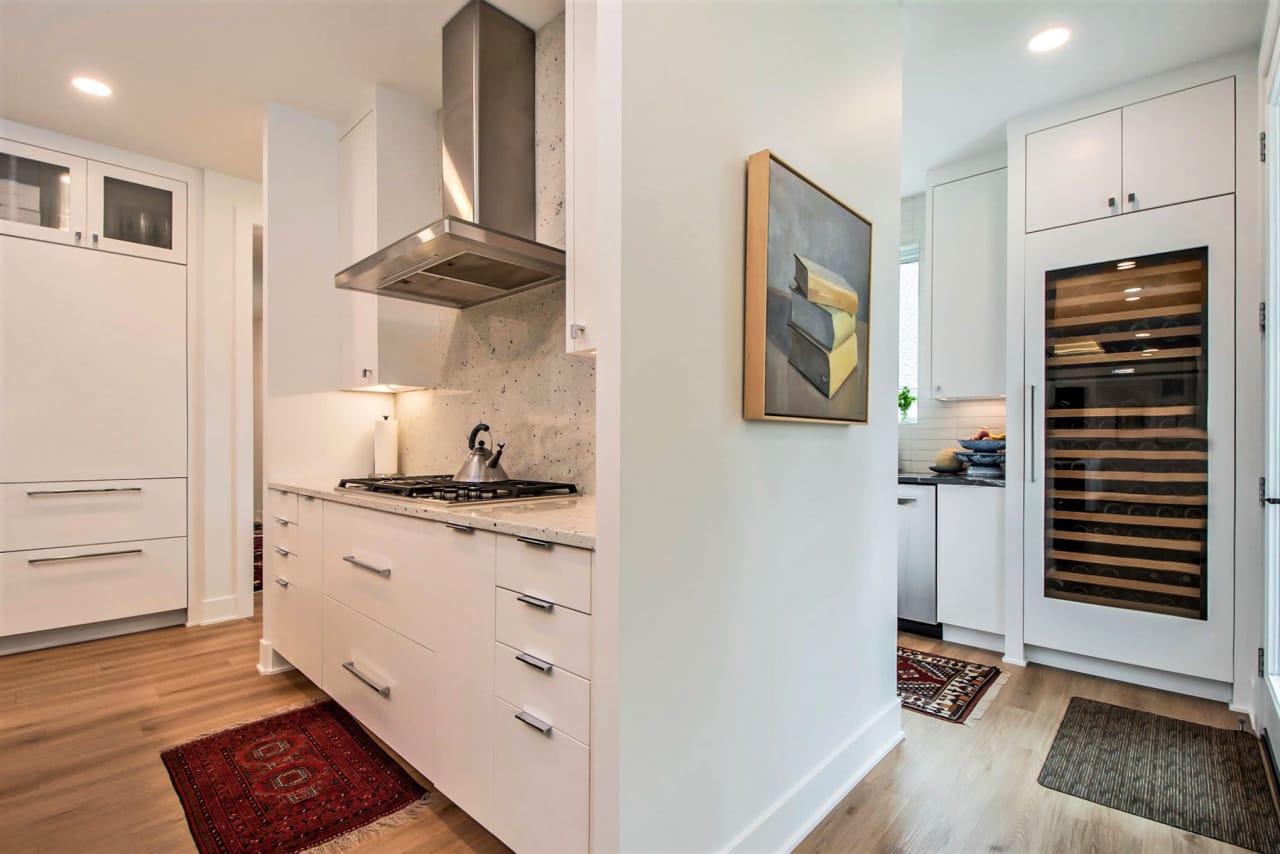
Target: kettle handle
{"x":476,"y":431}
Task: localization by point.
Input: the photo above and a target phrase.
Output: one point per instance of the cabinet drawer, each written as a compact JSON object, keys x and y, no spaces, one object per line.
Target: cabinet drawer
{"x":548,"y":692}
{"x":281,"y":505}
{"x":53,"y":588}
{"x":389,"y":567}
{"x":541,"y":786}
{"x":292,"y":566}
{"x":46,"y":515}
{"x":557,"y":573}
{"x":284,"y":534}
{"x":552,"y":633}
{"x":295,"y":621}
{"x":383,"y":679}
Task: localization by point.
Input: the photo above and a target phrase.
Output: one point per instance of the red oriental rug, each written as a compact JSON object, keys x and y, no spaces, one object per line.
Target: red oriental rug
{"x":946,"y":688}
{"x":287,"y":783}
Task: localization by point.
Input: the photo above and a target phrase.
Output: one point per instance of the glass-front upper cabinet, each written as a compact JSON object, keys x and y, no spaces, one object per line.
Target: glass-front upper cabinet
{"x":42,"y":193}
{"x":136,"y":213}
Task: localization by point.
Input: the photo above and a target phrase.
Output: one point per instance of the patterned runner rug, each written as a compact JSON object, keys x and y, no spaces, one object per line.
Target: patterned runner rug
{"x":946,"y":688}
{"x":300,"y":779}
{"x":1199,"y":778}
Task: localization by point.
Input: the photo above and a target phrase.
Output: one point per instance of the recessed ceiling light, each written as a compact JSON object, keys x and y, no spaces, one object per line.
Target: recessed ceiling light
{"x":1050,"y":39}
{"x":91,"y":87}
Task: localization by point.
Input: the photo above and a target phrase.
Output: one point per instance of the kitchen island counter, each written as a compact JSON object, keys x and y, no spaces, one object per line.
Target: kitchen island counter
{"x":567,"y":521}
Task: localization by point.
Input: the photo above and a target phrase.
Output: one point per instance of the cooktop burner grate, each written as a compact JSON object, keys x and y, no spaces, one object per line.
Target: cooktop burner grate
{"x":439,"y":487}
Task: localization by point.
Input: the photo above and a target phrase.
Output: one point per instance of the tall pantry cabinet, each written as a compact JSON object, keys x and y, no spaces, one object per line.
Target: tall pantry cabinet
{"x":93,"y":395}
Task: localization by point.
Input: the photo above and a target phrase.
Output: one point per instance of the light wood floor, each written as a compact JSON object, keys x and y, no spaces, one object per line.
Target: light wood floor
{"x":952,"y":788}
{"x":81,"y":728}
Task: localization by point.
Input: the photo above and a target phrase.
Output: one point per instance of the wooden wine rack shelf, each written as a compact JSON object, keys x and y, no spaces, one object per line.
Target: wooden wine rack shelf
{"x":1122,"y":411}
{"x":1133,"y":433}
{"x":1110,"y":454}
{"x":1142,"y":476}
{"x":1121,"y":316}
{"x":1106,"y":358}
{"x":1134,"y":276}
{"x":1135,"y":542}
{"x":1129,"y":562}
{"x":1137,"y":335}
{"x":1125,"y":519}
{"x":1124,"y":583}
{"x":1129,"y":497}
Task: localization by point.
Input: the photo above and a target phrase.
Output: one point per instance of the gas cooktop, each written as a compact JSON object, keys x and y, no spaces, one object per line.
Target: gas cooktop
{"x":443,"y":489}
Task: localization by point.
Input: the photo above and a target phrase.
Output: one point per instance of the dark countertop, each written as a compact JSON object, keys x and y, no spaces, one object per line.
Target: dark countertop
{"x":949,"y":479}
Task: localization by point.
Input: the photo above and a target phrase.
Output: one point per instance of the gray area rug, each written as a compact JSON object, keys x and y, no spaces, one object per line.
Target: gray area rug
{"x":1206,"y":780}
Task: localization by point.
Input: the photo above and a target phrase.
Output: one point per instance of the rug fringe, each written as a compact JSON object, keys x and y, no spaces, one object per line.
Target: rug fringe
{"x":361,"y":835}
{"x":990,"y":695}
{"x":292,"y":707}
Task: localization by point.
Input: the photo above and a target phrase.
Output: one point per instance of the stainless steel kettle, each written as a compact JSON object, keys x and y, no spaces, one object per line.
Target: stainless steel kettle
{"x":482,"y":465}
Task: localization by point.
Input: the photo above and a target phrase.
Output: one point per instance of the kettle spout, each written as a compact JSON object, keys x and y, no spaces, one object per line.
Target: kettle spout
{"x":493,"y":461}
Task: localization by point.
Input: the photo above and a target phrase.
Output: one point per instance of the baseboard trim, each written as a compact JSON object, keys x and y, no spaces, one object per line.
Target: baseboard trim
{"x":973,"y":637}
{"x":788,"y":820}
{"x":91,"y":631}
{"x":269,"y":661}
{"x":1178,"y":683}
{"x":221,"y":609}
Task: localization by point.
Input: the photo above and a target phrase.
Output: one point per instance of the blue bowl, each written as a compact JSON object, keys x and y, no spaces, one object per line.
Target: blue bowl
{"x":986,"y":446}
{"x":980,"y":459}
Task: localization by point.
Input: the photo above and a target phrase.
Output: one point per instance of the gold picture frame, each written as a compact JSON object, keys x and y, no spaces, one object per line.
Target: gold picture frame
{"x":806,"y":340}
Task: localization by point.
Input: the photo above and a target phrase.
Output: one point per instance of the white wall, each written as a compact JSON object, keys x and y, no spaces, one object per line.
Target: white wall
{"x":757,"y":588}
{"x":228,"y":576}
{"x":312,"y":433}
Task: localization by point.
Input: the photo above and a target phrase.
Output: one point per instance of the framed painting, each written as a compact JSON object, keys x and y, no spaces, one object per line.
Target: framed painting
{"x":808,"y":300}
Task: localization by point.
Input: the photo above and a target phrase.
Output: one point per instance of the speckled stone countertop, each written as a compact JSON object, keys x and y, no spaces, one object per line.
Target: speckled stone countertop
{"x":949,"y":479}
{"x":568,"y":521}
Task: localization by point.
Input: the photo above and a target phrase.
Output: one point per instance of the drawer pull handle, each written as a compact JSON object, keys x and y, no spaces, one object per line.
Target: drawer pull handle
{"x":907,"y":502}
{"x":36,"y":493}
{"x":534,"y":662}
{"x":282,"y":582}
{"x":535,"y":602}
{"x":530,"y":721}
{"x":281,"y":521}
{"x":461,"y":529}
{"x":282,"y":552}
{"x":383,"y":690}
{"x":385,"y":572}
{"x":86,"y":556}
{"x":537,"y":544}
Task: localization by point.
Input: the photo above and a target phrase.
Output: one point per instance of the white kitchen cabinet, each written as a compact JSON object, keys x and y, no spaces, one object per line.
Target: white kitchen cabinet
{"x":389,"y":185}
{"x":541,"y":784}
{"x":461,"y":608}
{"x":386,"y":681}
{"x":72,"y":513}
{"x":917,"y":553}
{"x":1160,"y":151}
{"x":292,"y":579}
{"x":1074,"y":171}
{"x":582,"y":176}
{"x":42,"y":193}
{"x":137,"y":213}
{"x":93,"y":365}
{"x":1180,"y":147}
{"x":971,"y":557}
{"x":70,"y":586}
{"x":967,"y":264}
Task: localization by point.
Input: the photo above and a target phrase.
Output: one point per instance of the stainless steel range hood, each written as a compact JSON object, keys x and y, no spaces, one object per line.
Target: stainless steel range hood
{"x":483,"y":249}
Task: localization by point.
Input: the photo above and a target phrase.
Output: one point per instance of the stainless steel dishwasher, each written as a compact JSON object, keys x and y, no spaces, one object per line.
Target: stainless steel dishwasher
{"x":918,"y":559}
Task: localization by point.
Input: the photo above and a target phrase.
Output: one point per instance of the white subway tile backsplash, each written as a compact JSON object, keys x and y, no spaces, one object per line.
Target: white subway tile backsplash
{"x":940,"y":424}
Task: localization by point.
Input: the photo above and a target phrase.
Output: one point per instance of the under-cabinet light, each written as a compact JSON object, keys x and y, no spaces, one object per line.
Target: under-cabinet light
{"x":1132,"y":290}
{"x":1126,"y":265}
{"x":1132,"y":299}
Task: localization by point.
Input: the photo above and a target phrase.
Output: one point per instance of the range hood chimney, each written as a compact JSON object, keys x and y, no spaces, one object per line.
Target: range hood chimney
{"x":484,"y":248}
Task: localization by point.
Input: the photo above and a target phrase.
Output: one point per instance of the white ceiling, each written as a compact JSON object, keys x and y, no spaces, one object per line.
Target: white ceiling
{"x":966,"y":69}
{"x":191,"y":77}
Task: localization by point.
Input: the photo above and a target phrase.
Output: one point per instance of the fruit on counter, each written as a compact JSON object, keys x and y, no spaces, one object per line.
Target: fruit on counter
{"x":947,"y":461}
{"x":984,"y":433}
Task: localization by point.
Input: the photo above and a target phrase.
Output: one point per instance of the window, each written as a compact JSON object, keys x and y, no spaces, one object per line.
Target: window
{"x":909,"y":324}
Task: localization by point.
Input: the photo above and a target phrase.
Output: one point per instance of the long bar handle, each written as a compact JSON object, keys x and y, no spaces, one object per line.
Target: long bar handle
{"x":537,"y":544}
{"x":280,"y":520}
{"x":538,"y":724}
{"x":535,"y":602}
{"x":350,"y":667}
{"x":383,"y":571}
{"x":38,"y":492}
{"x":1031,"y":435}
{"x":282,"y":552}
{"x":85,"y":556}
{"x":534,"y":662}
{"x":282,"y":582}
{"x":461,"y":529}
{"x":904,"y":502}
